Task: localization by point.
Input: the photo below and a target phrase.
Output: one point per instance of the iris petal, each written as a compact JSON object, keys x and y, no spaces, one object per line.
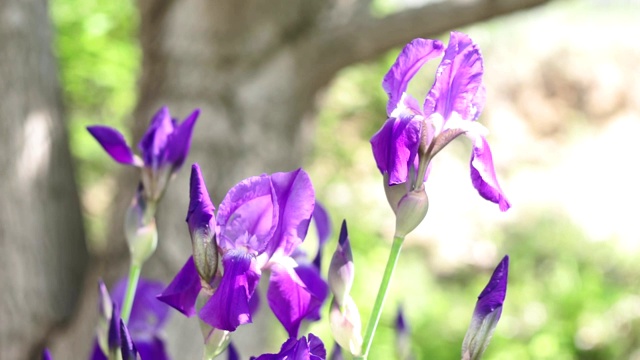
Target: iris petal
{"x":182,"y":292}
{"x":413,"y":56}
{"x":229,"y":307}
{"x":248,"y":215}
{"x":113,"y":143}
{"x":180,"y":140}
{"x":153,"y":144}
{"x":483,"y":174}
{"x":458,"y":84}
{"x":395,"y":147}
{"x":290,"y":300}
{"x":296,"y":202}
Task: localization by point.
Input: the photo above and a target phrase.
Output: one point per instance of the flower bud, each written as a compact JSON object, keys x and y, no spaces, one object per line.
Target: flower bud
{"x":345,"y":325}
{"x":394,"y":193}
{"x":412,"y":209}
{"x":140,"y":228}
{"x":202,"y":227}
{"x":341,"y":270}
{"x":487,"y":313}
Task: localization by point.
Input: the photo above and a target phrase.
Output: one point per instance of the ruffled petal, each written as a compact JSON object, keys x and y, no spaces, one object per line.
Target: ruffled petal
{"x":413,"y":56}
{"x":395,"y":147}
{"x":458,"y":83}
{"x":316,"y":347}
{"x":182,"y":292}
{"x":153,"y":145}
{"x":296,"y":202}
{"x":483,"y":174}
{"x":113,"y":143}
{"x":229,"y":307}
{"x":180,"y":141}
{"x":248,"y":215}
{"x":290,"y":300}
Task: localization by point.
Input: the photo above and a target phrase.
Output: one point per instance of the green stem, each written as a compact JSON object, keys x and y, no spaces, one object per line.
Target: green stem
{"x":382,"y":294}
{"x":132,"y":284}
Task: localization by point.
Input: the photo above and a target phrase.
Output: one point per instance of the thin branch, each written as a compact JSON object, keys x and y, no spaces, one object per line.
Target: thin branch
{"x":368,"y":37}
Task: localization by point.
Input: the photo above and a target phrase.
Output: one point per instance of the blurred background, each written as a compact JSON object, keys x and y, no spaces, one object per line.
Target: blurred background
{"x":563,"y":105}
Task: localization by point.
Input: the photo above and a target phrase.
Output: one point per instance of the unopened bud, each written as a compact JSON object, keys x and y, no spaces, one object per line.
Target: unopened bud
{"x":487,"y":313}
{"x":412,"y":209}
{"x":202,"y":227}
{"x":140,"y":228}
{"x":114,"y":340}
{"x":345,"y":325}
{"x":341,"y":270}
{"x":127,"y":347}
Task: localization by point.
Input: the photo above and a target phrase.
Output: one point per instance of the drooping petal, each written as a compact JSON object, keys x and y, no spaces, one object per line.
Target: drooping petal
{"x":248,"y":215}
{"x":229,"y":307}
{"x":411,"y":59}
{"x":458,"y":83}
{"x":113,"y":143}
{"x":395,"y":147}
{"x":182,"y":292}
{"x":153,"y":145}
{"x":296,"y":201}
{"x":290,"y":300}
{"x":153,"y":348}
{"x":310,"y":276}
{"x":486,"y":313}
{"x":483,"y":174}
{"x":202,"y":226}
{"x":180,"y":141}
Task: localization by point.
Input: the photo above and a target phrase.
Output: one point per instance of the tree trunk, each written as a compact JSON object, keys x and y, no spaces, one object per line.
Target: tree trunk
{"x":42,"y":249}
{"x":254,"y":68}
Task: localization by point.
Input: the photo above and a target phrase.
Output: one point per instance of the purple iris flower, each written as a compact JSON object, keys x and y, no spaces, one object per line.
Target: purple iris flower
{"x":301,"y":349}
{"x":163,"y":148}
{"x":413,"y":135}
{"x":259,"y":224}
{"x":487,"y":313}
{"x":148,"y":317}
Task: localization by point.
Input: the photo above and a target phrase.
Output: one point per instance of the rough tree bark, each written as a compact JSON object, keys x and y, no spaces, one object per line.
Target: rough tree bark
{"x":255,"y":68}
{"x":42,"y":247}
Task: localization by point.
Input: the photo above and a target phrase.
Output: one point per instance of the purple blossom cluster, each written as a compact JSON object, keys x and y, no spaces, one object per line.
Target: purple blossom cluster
{"x":262,"y":221}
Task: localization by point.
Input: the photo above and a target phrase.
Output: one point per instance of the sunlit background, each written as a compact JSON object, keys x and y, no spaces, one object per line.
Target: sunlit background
{"x":563,"y":85}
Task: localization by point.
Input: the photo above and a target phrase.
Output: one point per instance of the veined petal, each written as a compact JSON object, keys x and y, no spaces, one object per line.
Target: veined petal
{"x":458,"y":83}
{"x":153,"y":144}
{"x":182,"y":292}
{"x":301,"y":349}
{"x":114,"y":144}
{"x":248,"y":215}
{"x":316,"y":347}
{"x":290,"y":300}
{"x":395,"y":147}
{"x":413,"y":56}
{"x":229,"y":307}
{"x":296,"y":201}
{"x":483,"y":174}
{"x":180,"y":140}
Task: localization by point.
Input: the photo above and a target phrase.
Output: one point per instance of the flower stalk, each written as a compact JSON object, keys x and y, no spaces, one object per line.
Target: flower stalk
{"x":394,"y":254}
